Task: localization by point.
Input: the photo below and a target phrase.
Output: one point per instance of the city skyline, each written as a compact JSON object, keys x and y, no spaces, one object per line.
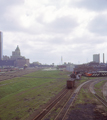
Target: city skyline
{"x":47,"y":30}
{"x":16,"y":54}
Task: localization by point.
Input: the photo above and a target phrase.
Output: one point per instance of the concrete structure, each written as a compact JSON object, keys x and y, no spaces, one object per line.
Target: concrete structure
{"x":96,"y":58}
{"x":1,"y":46}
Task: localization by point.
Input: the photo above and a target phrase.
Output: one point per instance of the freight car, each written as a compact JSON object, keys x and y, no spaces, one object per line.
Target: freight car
{"x":70,"y":83}
{"x":96,"y":74}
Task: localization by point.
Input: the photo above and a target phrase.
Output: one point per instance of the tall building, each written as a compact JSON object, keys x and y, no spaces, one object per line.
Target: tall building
{"x":1,"y":46}
{"x":20,"y":61}
{"x":103,"y":58}
{"x":96,"y":58}
{"x":16,"y":54}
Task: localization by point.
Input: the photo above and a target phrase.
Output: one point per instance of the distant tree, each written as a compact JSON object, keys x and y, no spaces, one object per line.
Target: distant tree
{"x":25,"y":66}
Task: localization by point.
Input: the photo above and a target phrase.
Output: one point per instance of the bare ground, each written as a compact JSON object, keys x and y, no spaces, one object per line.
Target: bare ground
{"x":87,"y":112}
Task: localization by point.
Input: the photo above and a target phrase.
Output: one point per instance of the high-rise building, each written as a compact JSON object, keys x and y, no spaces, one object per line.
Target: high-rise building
{"x":96,"y":58}
{"x":1,"y":46}
{"x":103,"y":58}
{"x":16,"y":54}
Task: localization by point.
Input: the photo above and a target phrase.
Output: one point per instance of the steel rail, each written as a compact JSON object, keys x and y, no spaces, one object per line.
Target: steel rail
{"x":105,"y":91}
{"x":62,"y":114}
{"x":65,"y":108}
{"x":91,"y":87}
{"x":59,"y":102}
{"x":50,"y":106}
{"x":101,"y":99}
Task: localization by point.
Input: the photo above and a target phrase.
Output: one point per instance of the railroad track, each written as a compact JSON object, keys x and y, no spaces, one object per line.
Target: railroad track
{"x":101,"y":100}
{"x":63,"y":112}
{"x":105,"y":91}
{"x":91,"y":87}
{"x":50,"y":106}
{"x":65,"y":109}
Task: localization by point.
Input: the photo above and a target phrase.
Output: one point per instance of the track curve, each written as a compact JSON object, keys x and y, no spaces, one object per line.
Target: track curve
{"x":105,"y":91}
{"x":91,"y":87}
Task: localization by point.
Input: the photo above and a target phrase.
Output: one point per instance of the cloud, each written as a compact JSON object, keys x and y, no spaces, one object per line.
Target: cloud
{"x":5,"y":5}
{"x":9,"y":15}
{"x":64,"y":24}
{"x":98,"y":25}
{"x":47,"y":30}
{"x":10,"y":25}
{"x":89,"y":40}
{"x":93,"y":5}
{"x":22,"y":17}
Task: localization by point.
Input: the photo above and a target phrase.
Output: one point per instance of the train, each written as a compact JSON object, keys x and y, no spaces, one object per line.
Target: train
{"x":96,"y":74}
{"x":71,"y":82}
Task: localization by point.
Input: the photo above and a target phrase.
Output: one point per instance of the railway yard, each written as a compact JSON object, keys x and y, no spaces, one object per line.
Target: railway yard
{"x":33,"y":94}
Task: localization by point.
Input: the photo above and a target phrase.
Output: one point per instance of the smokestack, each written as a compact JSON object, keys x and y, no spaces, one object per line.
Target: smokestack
{"x":103,"y":58}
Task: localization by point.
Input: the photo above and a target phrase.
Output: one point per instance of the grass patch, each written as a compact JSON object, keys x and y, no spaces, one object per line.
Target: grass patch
{"x":83,"y":79}
{"x":21,"y":96}
{"x":84,"y":96}
{"x":51,"y":74}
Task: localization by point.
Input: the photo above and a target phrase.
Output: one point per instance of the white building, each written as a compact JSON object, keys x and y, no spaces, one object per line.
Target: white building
{"x":96,"y":58}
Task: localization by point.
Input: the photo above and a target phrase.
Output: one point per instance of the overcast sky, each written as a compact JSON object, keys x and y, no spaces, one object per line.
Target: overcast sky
{"x":45,"y":30}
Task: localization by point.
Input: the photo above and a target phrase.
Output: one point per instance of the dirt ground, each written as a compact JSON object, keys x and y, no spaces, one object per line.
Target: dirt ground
{"x":86,"y":112}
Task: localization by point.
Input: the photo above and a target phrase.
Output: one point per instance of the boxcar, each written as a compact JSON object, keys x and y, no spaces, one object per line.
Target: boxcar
{"x":70,"y":83}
